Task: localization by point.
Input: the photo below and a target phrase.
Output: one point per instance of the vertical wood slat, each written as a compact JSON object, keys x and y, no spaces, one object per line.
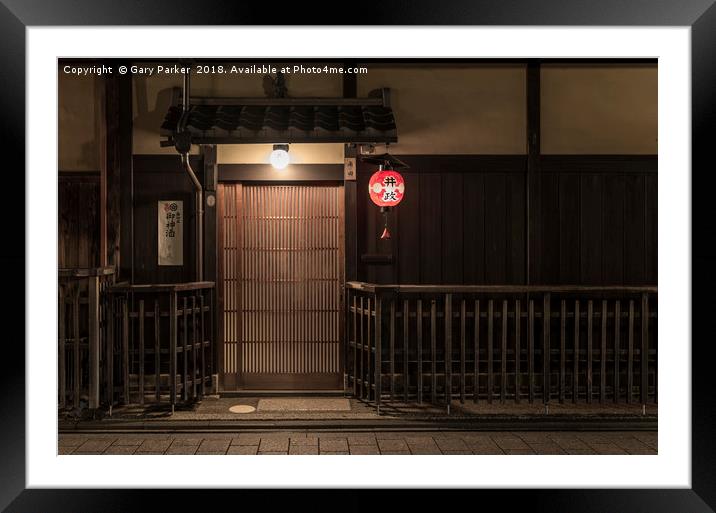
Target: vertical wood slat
{"x":355,"y":344}
{"x":433,"y":351}
{"x":111,"y":331}
{"x":76,"y":345}
{"x":503,"y":355}
{"x":603,"y":355}
{"x":367,"y":350}
{"x":644,"y":348}
{"x":93,"y":313}
{"x":141,"y":351}
{"x":531,"y":349}
{"x":125,"y":351}
{"x":61,"y":357}
{"x":392,"y":349}
{"x":157,"y":351}
{"x":490,"y":344}
{"x":630,"y":354}
{"x":518,"y":351}
{"x":202,"y":346}
{"x":575,"y":372}
{"x":172,"y":348}
{"x":462,"y":351}
{"x":617,"y":350}
{"x":193,"y":346}
{"x":476,"y":363}
{"x":362,"y":350}
{"x":562,"y":349}
{"x":590,"y":311}
{"x":546,"y":349}
{"x":185,"y":351}
{"x":448,"y":348}
{"x":406,"y":335}
{"x":378,"y":334}
{"x":419,"y":316}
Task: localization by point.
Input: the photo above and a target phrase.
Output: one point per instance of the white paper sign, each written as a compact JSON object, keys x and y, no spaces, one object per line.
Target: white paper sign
{"x":170,"y":232}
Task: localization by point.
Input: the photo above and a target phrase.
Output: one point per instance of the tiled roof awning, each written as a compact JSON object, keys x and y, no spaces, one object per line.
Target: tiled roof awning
{"x":284,"y":120}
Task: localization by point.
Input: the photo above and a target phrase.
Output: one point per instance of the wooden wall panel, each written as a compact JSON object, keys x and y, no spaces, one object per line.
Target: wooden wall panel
{"x":431,"y":210}
{"x":474,"y":228}
{"x":452,"y":228}
{"x":78,"y":220}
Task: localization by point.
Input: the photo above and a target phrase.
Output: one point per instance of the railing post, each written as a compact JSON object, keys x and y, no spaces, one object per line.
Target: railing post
{"x":378,"y":339}
{"x":448,"y":350}
{"x":644,"y":348}
{"x":546,"y":318}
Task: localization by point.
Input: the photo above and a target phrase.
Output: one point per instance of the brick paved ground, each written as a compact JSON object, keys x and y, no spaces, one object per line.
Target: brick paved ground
{"x":311,"y":442}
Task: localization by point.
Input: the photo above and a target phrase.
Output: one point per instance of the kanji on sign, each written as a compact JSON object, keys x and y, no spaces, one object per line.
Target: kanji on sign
{"x":386,"y":188}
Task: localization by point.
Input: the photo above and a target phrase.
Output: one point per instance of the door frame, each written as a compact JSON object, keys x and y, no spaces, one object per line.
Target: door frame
{"x":264,"y":174}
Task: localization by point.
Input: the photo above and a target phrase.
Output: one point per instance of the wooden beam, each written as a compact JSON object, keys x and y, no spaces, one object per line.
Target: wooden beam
{"x":532,"y":179}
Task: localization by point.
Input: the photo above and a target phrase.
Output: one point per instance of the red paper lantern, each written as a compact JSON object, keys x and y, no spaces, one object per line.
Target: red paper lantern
{"x":386,"y":188}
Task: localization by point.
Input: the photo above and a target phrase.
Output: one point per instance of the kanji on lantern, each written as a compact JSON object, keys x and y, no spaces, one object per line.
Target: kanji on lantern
{"x":386,"y":188}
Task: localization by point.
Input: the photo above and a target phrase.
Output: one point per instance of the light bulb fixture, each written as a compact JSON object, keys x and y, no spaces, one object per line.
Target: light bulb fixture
{"x":279,"y":156}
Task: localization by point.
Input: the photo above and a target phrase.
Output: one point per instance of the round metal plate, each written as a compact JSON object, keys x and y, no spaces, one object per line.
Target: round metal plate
{"x":242,"y":408}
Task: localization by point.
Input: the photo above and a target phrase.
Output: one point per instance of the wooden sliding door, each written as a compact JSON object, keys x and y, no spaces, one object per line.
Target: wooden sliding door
{"x":281,"y":271}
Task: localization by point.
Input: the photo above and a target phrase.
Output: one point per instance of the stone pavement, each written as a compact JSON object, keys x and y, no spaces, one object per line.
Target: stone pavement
{"x":366,"y":443}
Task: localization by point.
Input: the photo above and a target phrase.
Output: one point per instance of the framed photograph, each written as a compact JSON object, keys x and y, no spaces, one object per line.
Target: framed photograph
{"x":452,"y":252}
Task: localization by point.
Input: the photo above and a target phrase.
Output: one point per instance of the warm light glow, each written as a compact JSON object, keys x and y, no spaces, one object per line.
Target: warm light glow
{"x":279,"y":158}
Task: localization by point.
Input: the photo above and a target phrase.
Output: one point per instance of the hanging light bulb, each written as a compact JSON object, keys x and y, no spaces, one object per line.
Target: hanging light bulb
{"x":279,"y":156}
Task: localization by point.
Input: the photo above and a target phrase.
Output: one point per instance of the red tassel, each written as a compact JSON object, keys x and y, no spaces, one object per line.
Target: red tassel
{"x":386,"y":233}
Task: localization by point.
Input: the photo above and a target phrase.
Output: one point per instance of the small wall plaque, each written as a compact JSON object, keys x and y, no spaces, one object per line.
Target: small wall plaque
{"x":170,"y":233}
{"x":349,"y":168}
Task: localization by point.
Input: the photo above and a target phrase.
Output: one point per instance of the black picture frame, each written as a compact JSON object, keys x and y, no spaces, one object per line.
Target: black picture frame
{"x":17,"y":15}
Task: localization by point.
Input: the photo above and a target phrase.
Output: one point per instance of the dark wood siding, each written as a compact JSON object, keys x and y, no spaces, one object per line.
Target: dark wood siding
{"x":78,"y":220}
{"x":463,"y":220}
{"x":161,"y":177}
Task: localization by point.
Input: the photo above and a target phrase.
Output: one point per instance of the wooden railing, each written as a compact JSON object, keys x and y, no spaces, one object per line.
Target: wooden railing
{"x":434,"y":343}
{"x":160,"y":343}
{"x":81,"y":319}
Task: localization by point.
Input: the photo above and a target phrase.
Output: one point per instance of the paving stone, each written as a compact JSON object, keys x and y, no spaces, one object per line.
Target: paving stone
{"x":451,"y":444}
{"x":154,"y":445}
{"x":121,"y":449}
{"x":455,"y":453}
{"x":305,"y":441}
{"x":535,"y":437}
{"x":243,"y":449}
{"x":547,"y":448}
{"x":364,"y":449}
{"x":303,"y":449}
{"x":362,"y":440}
{"x":333,"y":452}
{"x":95,"y":445}
{"x":178,"y":442}
{"x":570,"y":443}
{"x":71,"y":442}
{"x":136,"y":441}
{"x":579,"y":451}
{"x":394,"y":453}
{"x":246,"y":439}
{"x":392,"y":445}
{"x":273,"y":445}
{"x":65,"y":450}
{"x":633,"y":446}
{"x":213,"y":446}
{"x":182,"y":449}
{"x":210,"y":453}
{"x":519,"y":451}
{"x":510,"y":443}
{"x":333,"y":444}
{"x":419,"y":440}
{"x":607,"y":448}
{"x":487,"y":450}
{"x":147,"y":453}
{"x":284,"y":453}
{"x":424,"y":449}
{"x":648,"y":438}
{"x":397,"y":435}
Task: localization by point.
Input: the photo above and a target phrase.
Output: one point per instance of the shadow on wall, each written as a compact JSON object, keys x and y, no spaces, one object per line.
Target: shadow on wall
{"x":147,"y":120}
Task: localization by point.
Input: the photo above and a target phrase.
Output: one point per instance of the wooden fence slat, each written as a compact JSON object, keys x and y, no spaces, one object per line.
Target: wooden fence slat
{"x":172,"y":349}
{"x":185,"y":351}
{"x":419,"y":317}
{"x":575,"y":372}
{"x":93,"y":313}
{"x":111,"y":331}
{"x":392,"y":349}
{"x":61,"y":356}
{"x":462,"y":351}
{"x":378,"y":347}
{"x":125,"y":351}
{"x":193,"y":346}
{"x":531,"y":350}
{"x":203,"y":349}
{"x":433,"y":351}
{"x":644,"y":348}
{"x":361,"y":377}
{"x":476,"y":363}
{"x":490,"y":377}
{"x":630,"y":353}
{"x":448,"y":349}
{"x":518,"y":351}
{"x":141,"y":355}
{"x":603,"y":355}
{"x":562,"y":349}
{"x":590,"y":308}
{"x":503,"y":355}
{"x":617,"y":352}
{"x":546,"y":349}
{"x":76,"y":346}
{"x":355,"y":345}
{"x":367,"y":350}
{"x":157,"y":351}
{"x":406,"y":336}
